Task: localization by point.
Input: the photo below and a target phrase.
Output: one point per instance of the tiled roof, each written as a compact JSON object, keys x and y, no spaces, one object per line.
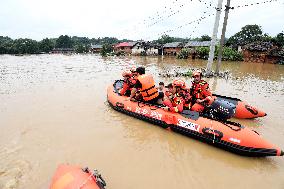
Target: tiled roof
{"x":96,"y":46}
{"x":258,"y":46}
{"x":126,"y":44}
{"x":173,"y":44}
{"x":198,"y":44}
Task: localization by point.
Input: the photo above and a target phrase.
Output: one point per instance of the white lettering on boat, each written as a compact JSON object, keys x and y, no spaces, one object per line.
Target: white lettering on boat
{"x":188,"y":125}
{"x":128,"y":108}
{"x":156,"y":115}
{"x":138,"y":110}
{"x":146,"y":112}
{"x":235,"y":140}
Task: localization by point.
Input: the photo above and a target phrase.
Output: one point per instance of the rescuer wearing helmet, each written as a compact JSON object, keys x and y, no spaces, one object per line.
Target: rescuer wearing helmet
{"x":200,"y":93}
{"x":175,"y":98}
{"x":128,"y":83}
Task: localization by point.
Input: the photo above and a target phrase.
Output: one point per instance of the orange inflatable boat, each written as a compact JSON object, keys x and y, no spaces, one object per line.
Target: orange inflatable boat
{"x":70,"y":177}
{"x":226,"y":135}
{"x":242,"y":109}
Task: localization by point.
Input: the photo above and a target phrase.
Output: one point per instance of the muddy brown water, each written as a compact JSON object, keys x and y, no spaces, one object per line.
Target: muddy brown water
{"x":54,"y":110}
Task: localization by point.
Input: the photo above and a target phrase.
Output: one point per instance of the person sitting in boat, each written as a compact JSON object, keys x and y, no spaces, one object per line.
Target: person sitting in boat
{"x":128,"y":83}
{"x":200,"y":92}
{"x":145,"y":84}
{"x":175,"y":96}
{"x":161,"y":88}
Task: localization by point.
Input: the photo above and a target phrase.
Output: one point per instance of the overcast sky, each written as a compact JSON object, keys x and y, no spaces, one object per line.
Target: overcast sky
{"x":131,"y":19}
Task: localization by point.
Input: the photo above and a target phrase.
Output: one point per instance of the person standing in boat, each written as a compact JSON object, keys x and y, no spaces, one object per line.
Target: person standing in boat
{"x":145,"y":85}
{"x":200,"y":93}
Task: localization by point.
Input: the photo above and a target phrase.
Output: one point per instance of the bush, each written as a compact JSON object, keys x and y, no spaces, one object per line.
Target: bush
{"x":106,"y":49}
{"x":183,"y":54}
{"x":202,"y":52}
{"x":228,"y":53}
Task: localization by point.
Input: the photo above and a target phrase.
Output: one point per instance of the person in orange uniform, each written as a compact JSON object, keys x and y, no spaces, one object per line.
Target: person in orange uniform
{"x":200,"y":92}
{"x":128,"y":83}
{"x":145,"y":84}
{"x":175,"y":98}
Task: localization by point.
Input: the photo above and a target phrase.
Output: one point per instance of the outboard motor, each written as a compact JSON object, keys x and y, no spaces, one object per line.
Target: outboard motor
{"x":221,"y":109}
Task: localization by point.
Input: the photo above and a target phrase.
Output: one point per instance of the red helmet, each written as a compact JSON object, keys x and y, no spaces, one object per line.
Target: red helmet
{"x":126,"y":73}
{"x":179,"y":83}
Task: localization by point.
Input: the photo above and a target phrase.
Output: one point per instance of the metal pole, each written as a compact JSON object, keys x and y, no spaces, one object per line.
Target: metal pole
{"x":223,"y":36}
{"x":214,"y":36}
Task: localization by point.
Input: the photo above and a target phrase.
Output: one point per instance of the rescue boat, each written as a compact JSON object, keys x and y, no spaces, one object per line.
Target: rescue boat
{"x":69,"y":177}
{"x":242,"y":109}
{"x":227,"y":135}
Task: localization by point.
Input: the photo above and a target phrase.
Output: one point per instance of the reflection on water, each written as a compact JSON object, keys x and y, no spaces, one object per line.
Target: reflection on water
{"x":54,"y":109}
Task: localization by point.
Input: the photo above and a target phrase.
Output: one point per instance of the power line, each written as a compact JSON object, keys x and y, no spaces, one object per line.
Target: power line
{"x":253,"y":4}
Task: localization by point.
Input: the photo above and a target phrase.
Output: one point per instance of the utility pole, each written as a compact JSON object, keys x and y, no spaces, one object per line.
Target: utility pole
{"x":214,"y":36}
{"x":223,"y":36}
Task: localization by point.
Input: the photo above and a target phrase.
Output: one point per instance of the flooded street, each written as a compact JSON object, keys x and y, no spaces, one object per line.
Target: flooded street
{"x":54,"y":110}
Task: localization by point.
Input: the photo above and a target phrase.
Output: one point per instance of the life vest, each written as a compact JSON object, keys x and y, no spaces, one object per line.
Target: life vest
{"x":148,"y":90}
{"x":200,"y":90}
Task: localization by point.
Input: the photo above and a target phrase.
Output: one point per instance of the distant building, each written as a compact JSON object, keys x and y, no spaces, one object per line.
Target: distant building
{"x":96,"y":48}
{"x":63,"y":50}
{"x":192,"y":45}
{"x":262,"y":52}
{"x":172,"y":48}
{"x":146,"y":48}
{"x":125,"y":47}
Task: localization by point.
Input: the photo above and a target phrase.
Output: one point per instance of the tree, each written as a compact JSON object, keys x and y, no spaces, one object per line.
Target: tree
{"x":25,"y":46}
{"x":106,"y":48}
{"x":205,"y":38}
{"x":82,"y":48}
{"x":46,"y":45}
{"x":5,"y":45}
{"x":165,"y":39}
{"x":64,"y":41}
{"x":279,"y":39}
{"x":248,"y":34}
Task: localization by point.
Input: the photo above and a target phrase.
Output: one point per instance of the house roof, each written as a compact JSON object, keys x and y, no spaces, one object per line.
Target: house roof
{"x":258,"y":46}
{"x":125,"y":44}
{"x":277,"y":52}
{"x":173,"y":44}
{"x":198,"y":44}
{"x":147,"y":44}
{"x":96,"y":46}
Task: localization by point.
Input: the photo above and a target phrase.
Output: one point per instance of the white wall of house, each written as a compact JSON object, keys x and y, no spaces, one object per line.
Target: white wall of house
{"x":152,"y":51}
{"x":136,"y":50}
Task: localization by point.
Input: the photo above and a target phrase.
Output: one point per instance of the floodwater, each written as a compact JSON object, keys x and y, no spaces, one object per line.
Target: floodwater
{"x":54,"y":110}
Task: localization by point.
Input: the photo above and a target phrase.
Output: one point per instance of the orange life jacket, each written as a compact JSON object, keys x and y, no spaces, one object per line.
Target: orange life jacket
{"x":200,"y":90}
{"x":148,"y":90}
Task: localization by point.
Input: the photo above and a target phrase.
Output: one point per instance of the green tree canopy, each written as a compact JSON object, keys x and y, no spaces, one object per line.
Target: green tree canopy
{"x":279,"y":39}
{"x":64,"y":41}
{"x":248,"y":34}
{"x":165,"y":39}
{"x":205,"y":38}
{"x":46,"y":45}
{"x":25,"y":46}
{"x":5,"y":45}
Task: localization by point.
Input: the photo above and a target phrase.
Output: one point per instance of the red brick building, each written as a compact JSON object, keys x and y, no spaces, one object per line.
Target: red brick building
{"x":125,"y":47}
{"x":172,"y":48}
